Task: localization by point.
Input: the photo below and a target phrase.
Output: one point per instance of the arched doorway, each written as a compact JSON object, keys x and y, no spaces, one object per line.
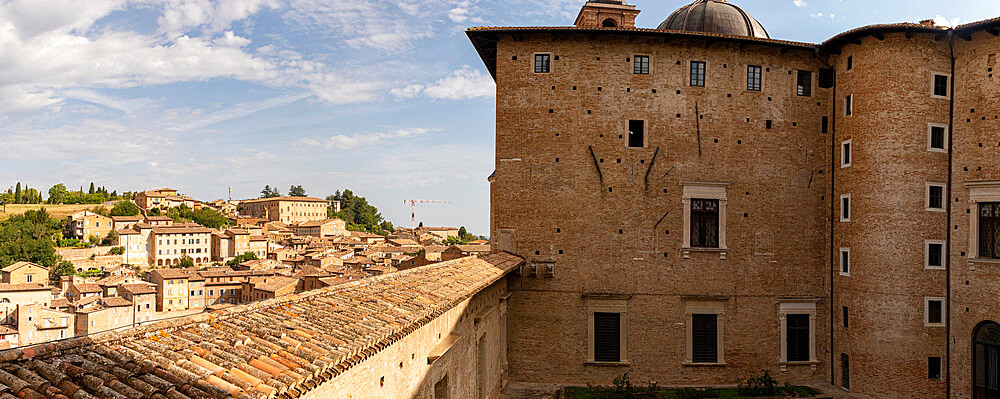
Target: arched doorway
{"x":986,"y":361}
{"x":609,"y":23}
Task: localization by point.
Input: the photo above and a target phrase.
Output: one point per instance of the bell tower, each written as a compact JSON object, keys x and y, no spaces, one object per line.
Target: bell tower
{"x":606,"y":14}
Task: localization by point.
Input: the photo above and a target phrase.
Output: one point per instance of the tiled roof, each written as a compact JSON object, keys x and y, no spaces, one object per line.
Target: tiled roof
{"x":116,"y":301}
{"x":22,"y":287}
{"x":126,"y":232}
{"x":317,"y":223}
{"x":172,"y":273}
{"x":273,"y":284}
{"x":181,"y":230}
{"x":18,"y":265}
{"x":87,"y":288}
{"x":126,"y":218}
{"x":297,"y":199}
{"x":279,"y":347}
{"x":473,"y":248}
{"x":138,"y":289}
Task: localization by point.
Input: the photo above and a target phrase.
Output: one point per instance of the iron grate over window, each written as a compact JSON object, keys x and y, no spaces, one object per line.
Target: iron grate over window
{"x":704,"y":223}
{"x":804,"y":84}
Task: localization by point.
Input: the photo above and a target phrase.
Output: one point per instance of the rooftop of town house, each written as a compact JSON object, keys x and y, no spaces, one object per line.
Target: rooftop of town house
{"x":17,"y":265}
{"x":138,"y":289}
{"x":295,"y":199}
{"x":282,"y":347}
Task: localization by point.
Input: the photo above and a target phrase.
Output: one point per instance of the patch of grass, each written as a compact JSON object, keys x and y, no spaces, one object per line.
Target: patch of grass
{"x":683,"y":393}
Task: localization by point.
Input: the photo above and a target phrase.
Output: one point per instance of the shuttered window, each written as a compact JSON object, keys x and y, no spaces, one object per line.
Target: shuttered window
{"x":607,"y":337}
{"x":797,"y":337}
{"x":803,"y":85}
{"x":704,"y":338}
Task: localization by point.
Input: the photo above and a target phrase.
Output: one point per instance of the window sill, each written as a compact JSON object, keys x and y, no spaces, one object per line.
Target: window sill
{"x":805,"y":363}
{"x":607,"y":364}
{"x":985,"y":260}
{"x":693,"y":364}
{"x":686,"y":252}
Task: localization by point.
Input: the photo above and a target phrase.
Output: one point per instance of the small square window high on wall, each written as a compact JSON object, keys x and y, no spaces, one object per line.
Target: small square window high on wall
{"x":641,"y":65}
{"x":803,"y":85}
{"x":543,"y":63}
{"x":698,"y":73}
{"x":753,"y":78}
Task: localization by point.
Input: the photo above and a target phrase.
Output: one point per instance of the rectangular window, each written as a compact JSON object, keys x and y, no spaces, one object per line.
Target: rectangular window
{"x":640,"y":65}
{"x":850,"y":62}
{"x":636,"y":134}
{"x":753,"y":77}
{"x":941,"y":85}
{"x":826,"y":125}
{"x":849,"y":105}
{"x":845,"y":154}
{"x":698,"y":73}
{"x":543,"y":63}
{"x":704,"y":338}
{"x":845,"y":371}
{"x":29,"y":278}
{"x":826,"y":78}
{"x":704,"y":223}
{"x":989,"y":230}
{"x":803,"y":87}
{"x":845,"y":208}
{"x":934,"y":368}
{"x":844,"y":316}
{"x":934,"y":312}
{"x":797,"y":337}
{"x":935,"y":254}
{"x":936,"y":138}
{"x":607,"y":337}
{"x":845,"y":261}
{"x":935,"y":197}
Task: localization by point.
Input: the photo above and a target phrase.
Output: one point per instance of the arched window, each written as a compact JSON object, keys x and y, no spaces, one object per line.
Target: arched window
{"x":609,"y":23}
{"x":159,"y":262}
{"x":986,"y":360}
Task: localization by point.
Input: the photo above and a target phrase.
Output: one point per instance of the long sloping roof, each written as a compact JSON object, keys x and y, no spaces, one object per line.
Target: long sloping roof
{"x":280,"y":347}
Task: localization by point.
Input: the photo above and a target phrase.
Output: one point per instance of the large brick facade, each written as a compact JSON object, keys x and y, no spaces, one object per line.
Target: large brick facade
{"x":602,"y":224}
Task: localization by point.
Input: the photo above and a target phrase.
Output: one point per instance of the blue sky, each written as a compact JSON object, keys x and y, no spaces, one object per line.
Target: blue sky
{"x":385,"y":97}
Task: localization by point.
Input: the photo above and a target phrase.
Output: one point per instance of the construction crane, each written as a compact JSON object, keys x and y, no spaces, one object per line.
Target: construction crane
{"x":413,"y":209}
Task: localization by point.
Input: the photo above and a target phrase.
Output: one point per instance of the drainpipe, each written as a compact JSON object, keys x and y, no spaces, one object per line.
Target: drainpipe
{"x":833,"y":214}
{"x":947,"y":257}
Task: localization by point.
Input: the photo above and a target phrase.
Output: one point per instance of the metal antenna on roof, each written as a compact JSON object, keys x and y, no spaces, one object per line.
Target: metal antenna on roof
{"x":413,"y":209}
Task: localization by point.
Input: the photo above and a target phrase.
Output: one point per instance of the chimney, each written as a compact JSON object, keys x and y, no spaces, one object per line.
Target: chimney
{"x":606,"y":14}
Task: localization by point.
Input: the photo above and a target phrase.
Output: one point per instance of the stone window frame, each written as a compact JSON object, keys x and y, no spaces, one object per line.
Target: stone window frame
{"x":813,"y":75}
{"x":934,"y":76}
{"x":703,"y":190}
{"x":930,"y":129}
{"x":608,"y":304}
{"x":927,"y":196}
{"x":704,"y":78}
{"x":845,"y":272}
{"x":705,"y":305}
{"x":850,"y":145}
{"x":927,"y":255}
{"x":927,"y":308}
{"x":761,"y":69}
{"x":797,"y":306}
{"x":849,"y":210}
{"x":979,"y":191}
{"x":849,"y":105}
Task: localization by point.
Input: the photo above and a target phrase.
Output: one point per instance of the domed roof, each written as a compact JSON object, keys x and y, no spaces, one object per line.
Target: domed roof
{"x":716,"y":16}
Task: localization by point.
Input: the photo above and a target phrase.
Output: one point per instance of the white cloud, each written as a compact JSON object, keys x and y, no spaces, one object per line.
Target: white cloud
{"x":800,"y":3}
{"x":942,"y":21}
{"x":816,"y":15}
{"x":463,"y":84}
{"x":348,"y":142}
{"x":381,"y":25}
{"x":21,"y":99}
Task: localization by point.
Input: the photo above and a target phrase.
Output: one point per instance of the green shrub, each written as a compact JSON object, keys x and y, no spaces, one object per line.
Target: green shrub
{"x":763,"y":385}
{"x":117,"y":250}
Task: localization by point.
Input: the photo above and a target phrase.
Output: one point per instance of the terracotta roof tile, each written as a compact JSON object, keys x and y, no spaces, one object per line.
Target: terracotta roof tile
{"x":280,"y":347}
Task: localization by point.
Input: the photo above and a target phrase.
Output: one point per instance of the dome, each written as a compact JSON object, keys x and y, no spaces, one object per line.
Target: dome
{"x":715,"y":16}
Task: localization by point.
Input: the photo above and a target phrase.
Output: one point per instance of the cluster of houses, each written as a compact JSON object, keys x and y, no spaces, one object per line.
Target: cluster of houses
{"x":162,"y":269}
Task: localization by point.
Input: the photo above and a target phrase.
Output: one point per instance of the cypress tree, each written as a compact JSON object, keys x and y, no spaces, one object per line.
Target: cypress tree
{"x":17,"y":193}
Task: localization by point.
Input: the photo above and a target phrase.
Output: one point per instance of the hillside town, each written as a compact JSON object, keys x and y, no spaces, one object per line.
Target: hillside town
{"x":126,"y":271}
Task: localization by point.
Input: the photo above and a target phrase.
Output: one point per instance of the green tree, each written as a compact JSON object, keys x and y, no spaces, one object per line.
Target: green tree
{"x":111,"y":239}
{"x":91,"y":188}
{"x":186,"y":262}
{"x":17,"y":194}
{"x":57,"y":193}
{"x":269,"y":192}
{"x":296,"y":191}
{"x":241,"y":258}
{"x":29,"y":237}
{"x":210,"y":218}
{"x":117,"y":250}
{"x":155,"y":212}
{"x":125,"y":208}
{"x":63,"y":268}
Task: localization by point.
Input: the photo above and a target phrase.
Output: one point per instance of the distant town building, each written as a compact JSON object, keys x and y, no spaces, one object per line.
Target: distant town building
{"x":86,"y":224}
{"x":285,"y":209}
{"x":25,"y":273}
{"x":163,"y":198}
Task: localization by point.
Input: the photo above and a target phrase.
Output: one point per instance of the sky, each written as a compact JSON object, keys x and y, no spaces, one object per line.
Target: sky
{"x":384,"y":97}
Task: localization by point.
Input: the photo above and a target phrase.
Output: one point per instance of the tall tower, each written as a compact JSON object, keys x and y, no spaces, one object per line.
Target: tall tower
{"x":606,"y":14}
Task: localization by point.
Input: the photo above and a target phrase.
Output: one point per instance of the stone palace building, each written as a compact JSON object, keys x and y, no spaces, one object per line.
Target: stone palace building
{"x":700,"y":202}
